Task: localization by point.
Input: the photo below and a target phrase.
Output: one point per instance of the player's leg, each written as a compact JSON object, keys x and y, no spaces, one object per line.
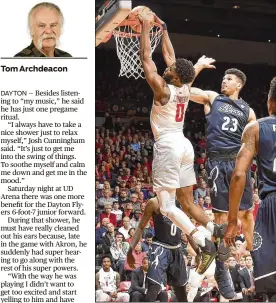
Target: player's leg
{"x":166,"y":199}
{"x":166,"y":172}
{"x":247,"y":220}
{"x":264,"y":258}
{"x":186,"y":200}
{"x":180,"y":293}
{"x":157,"y":277}
{"x":246,"y":212}
{"x":195,"y":282}
{"x":101,"y":296}
{"x":220,"y":173}
{"x":122,"y":297}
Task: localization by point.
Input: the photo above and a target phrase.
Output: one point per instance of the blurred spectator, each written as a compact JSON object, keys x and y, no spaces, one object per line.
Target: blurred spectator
{"x":146,"y":245}
{"x":201,"y":203}
{"x":106,"y":199}
{"x":231,"y":265}
{"x":207,"y":202}
{"x":128,"y":211}
{"x":119,"y":251}
{"x":116,"y":193}
{"x":247,"y":280}
{"x":131,"y":232}
{"x":100,"y":232}
{"x":116,"y":211}
{"x":125,"y":228}
{"x":117,"y":181}
{"x":108,"y":284}
{"x":135,"y":203}
{"x":117,"y":125}
{"x":134,"y":222}
{"x":108,"y":214}
{"x":108,"y":239}
{"x":242,"y":263}
{"x":200,"y":192}
{"x":202,"y":159}
{"x":123,"y":199}
{"x":139,"y":282}
{"x":138,"y":256}
{"x":108,"y":122}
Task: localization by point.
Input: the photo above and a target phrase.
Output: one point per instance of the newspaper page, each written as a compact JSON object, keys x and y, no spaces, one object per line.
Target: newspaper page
{"x":46,"y":125}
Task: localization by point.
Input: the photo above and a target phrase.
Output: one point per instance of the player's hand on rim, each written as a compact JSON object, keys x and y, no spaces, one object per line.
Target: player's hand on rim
{"x":206,"y":62}
{"x":157,"y":19}
{"x":230,"y":234}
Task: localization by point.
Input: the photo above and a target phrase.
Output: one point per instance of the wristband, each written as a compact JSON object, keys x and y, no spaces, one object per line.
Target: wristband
{"x":164,"y":25}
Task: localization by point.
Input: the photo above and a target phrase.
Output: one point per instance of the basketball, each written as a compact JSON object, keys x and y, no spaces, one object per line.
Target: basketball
{"x":145,"y":13}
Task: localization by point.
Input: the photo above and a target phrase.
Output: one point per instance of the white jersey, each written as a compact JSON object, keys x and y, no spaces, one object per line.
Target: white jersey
{"x":169,"y":118}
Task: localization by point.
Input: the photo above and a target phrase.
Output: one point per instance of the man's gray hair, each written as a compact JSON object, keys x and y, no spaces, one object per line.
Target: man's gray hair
{"x":45,"y":5}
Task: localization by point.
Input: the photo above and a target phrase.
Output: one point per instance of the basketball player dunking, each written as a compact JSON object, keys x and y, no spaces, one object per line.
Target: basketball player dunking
{"x":259,"y":139}
{"x":173,"y":153}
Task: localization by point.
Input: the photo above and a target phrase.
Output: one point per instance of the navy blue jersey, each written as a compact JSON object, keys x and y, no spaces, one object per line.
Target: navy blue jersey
{"x":165,"y":231}
{"x":266,"y":158}
{"x":225,"y":124}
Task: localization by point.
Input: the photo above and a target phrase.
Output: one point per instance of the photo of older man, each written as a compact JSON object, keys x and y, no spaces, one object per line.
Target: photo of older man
{"x":45,"y":21}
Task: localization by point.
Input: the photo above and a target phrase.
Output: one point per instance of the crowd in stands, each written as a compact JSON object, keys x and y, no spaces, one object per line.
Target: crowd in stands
{"x":124,"y":153}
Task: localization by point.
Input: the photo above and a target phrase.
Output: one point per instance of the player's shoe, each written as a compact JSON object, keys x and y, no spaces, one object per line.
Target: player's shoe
{"x":223,"y":252}
{"x":209,"y":252}
{"x":225,"y":286}
{"x":219,"y":230}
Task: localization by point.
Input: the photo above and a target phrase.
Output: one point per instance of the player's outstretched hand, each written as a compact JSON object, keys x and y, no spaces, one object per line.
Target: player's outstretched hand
{"x":230,"y":234}
{"x":206,"y":62}
{"x":130,"y":259}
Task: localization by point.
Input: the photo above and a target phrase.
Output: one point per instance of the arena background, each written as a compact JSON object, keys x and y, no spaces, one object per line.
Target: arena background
{"x":238,"y":34}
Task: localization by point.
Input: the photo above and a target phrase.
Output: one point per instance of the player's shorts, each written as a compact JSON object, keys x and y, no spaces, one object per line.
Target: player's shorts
{"x":219,"y":178}
{"x":173,"y":162}
{"x":264,"y":246}
{"x":167,"y":266}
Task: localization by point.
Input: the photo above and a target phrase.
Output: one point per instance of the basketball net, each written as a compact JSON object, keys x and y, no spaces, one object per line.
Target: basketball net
{"x":128,"y":47}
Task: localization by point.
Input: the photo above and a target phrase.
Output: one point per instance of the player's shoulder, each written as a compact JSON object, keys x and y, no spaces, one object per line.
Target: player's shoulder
{"x":265,"y":119}
{"x":251,"y":128}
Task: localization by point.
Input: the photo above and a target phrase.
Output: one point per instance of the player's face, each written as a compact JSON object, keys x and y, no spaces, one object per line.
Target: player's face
{"x":170,"y":74}
{"x":230,"y":84}
{"x":106,"y":263}
{"x":45,"y":27}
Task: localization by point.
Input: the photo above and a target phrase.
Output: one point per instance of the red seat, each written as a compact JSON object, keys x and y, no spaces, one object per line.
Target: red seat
{"x":124,"y":286}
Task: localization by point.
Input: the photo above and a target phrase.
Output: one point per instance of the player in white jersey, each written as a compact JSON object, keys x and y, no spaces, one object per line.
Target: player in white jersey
{"x":173,"y":153}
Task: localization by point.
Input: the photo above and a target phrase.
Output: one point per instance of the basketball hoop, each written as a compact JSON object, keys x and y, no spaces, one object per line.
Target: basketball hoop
{"x":128,"y":46}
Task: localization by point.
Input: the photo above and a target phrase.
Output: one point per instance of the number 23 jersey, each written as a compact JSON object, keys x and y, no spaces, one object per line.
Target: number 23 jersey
{"x":169,"y":118}
{"x":225,"y":124}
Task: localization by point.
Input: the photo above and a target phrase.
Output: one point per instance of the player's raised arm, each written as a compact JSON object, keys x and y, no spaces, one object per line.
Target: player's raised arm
{"x":167,"y":48}
{"x":202,"y":96}
{"x":155,"y":81}
{"x":244,"y":159}
{"x":150,"y":208}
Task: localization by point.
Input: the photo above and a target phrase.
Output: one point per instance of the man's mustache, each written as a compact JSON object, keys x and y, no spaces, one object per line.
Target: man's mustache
{"x":47,"y":36}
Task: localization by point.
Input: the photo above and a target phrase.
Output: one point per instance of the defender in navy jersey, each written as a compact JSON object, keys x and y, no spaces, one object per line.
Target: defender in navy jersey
{"x":226,"y":115}
{"x":259,"y":138}
{"x":167,"y":261}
